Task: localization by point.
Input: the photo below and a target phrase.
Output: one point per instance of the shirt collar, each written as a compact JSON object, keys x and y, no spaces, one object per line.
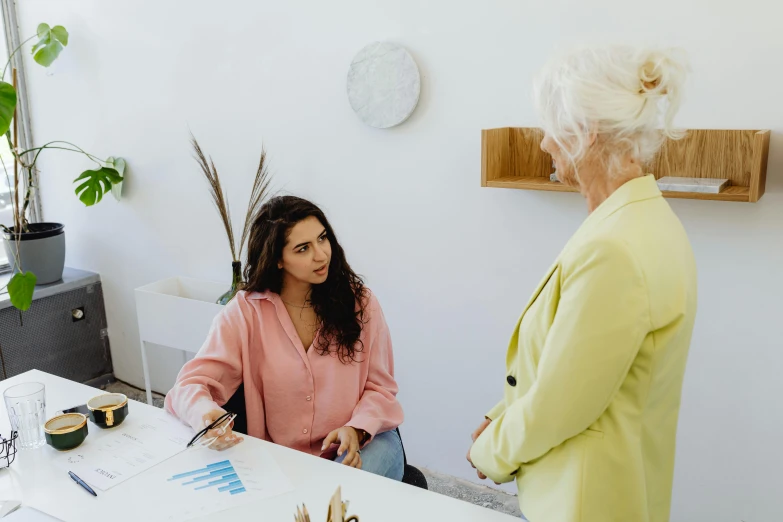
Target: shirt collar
{"x":638,"y":189}
{"x":266,"y":295}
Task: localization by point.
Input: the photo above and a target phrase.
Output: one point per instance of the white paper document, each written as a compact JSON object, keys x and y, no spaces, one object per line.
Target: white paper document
{"x":112,"y":456}
{"x":201,"y":482}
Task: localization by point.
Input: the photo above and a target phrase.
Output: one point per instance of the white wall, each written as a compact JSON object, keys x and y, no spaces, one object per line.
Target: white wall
{"x":452,"y":263}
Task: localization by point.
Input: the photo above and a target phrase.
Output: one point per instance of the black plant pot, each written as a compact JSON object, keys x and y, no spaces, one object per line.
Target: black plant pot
{"x":41,"y":251}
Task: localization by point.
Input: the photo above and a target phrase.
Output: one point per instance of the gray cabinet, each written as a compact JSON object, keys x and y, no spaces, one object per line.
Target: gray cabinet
{"x":63,"y":333}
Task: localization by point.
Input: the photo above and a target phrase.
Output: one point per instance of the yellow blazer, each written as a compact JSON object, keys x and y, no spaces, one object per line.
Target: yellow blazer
{"x":595,"y":366}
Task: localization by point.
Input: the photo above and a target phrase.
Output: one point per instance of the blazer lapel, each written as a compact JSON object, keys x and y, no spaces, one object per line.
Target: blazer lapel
{"x":636,"y":190}
{"x":512,"y":346}
{"x":541,"y":286}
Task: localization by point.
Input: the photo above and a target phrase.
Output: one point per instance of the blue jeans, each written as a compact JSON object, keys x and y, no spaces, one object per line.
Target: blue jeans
{"x":383,"y":456}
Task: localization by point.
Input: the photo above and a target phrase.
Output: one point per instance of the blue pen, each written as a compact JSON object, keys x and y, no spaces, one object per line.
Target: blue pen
{"x":82,"y":483}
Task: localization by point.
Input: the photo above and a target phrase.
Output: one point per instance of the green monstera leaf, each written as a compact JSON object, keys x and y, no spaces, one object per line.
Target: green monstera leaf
{"x":95,"y":184}
{"x":20,"y":290}
{"x":51,"y":41}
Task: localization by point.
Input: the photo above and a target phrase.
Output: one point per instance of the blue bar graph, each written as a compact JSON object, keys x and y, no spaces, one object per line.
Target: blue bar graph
{"x":231,"y":485}
{"x":228,"y":478}
{"x":211,"y":475}
{"x":220,"y":475}
{"x":209,"y":467}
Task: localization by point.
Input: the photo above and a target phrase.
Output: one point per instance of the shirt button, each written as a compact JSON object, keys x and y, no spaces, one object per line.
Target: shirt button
{"x":304,"y":431}
{"x":309,"y":398}
{"x":511,"y":380}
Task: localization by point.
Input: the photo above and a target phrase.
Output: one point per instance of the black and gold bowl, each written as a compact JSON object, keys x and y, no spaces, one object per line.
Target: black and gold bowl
{"x":108,"y":410}
{"x":66,"y":431}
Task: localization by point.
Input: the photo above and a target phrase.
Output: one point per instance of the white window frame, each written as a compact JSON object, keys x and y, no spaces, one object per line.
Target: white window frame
{"x":24,"y":129}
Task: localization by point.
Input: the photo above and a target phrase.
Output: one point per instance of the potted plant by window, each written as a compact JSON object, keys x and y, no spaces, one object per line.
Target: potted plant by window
{"x":36,"y":251}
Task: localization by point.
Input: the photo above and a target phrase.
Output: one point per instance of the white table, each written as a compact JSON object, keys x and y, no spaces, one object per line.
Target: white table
{"x":35,"y":481}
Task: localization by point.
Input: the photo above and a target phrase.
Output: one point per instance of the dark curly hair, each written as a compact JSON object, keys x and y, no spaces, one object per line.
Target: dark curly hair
{"x":339,"y":302}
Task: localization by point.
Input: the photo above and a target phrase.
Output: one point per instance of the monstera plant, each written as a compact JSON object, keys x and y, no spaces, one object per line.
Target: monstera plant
{"x":36,"y":251}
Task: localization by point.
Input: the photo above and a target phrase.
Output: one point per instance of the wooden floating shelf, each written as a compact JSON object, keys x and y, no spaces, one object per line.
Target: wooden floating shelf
{"x":511,"y":157}
{"x":732,"y":193}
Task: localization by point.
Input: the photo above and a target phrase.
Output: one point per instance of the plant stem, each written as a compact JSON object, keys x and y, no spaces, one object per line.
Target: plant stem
{"x":27,"y":197}
{"x":31,"y":169}
{"x":18,"y":221}
{"x":76,"y":148}
{"x":12,"y":55}
{"x":96,"y":159}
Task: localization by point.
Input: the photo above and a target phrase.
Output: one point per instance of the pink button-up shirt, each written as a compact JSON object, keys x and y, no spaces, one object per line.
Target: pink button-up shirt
{"x":294,"y":397}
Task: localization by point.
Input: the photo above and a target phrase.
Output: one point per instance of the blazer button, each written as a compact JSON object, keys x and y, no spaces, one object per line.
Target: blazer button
{"x":511,"y":380}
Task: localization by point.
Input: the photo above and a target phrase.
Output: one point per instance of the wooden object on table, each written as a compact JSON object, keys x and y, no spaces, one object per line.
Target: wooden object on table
{"x":302,"y":515}
{"x":511,"y":157}
{"x":337,"y":511}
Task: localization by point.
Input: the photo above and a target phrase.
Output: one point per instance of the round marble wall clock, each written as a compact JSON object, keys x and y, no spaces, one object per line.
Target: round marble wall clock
{"x":383,"y":85}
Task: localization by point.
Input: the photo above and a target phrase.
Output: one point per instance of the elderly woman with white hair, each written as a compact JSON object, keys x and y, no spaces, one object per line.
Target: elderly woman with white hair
{"x":595,"y":366}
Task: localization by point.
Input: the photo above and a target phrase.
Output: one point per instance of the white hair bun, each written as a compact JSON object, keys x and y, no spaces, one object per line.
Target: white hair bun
{"x":661,"y":72}
{"x":627,"y":96}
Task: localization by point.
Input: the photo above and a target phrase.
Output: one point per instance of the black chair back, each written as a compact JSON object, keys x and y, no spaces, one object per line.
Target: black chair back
{"x":236,"y":404}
